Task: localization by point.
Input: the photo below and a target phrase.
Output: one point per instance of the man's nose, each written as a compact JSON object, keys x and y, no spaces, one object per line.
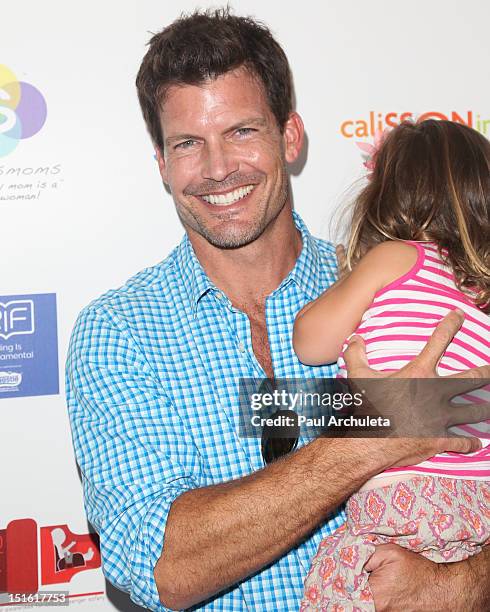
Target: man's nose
{"x":218,"y":162}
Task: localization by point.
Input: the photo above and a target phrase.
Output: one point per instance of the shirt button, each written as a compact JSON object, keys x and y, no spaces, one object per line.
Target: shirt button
{"x":241,"y":347}
{"x":219,"y":296}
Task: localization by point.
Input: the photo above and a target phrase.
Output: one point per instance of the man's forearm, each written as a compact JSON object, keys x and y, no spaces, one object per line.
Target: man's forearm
{"x":216,"y":536}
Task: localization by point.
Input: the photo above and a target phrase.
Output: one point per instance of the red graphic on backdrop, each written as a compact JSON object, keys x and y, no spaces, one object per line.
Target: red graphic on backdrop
{"x":18,"y":557}
{"x":63,"y":554}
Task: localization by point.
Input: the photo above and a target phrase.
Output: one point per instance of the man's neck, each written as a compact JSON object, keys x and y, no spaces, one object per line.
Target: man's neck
{"x":249,"y":274}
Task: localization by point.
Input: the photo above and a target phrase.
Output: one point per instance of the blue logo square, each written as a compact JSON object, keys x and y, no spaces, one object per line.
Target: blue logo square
{"x":28,"y":345}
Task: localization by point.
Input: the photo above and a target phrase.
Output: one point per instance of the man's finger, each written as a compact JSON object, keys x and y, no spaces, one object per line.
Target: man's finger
{"x":460,"y":444}
{"x":440,"y":340}
{"x":382,"y":554}
{"x":468,"y":380}
{"x":468,"y":413}
{"x":356,"y":361}
{"x":458,"y":384}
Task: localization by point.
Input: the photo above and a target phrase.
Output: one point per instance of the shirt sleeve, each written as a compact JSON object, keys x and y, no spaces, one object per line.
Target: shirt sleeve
{"x":134,"y":453}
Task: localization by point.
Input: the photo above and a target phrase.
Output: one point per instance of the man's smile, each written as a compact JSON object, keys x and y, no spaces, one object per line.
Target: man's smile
{"x":228,"y":197}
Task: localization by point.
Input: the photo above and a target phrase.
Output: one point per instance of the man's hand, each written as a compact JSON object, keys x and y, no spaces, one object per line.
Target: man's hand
{"x":421,"y":411}
{"x":404,"y":580}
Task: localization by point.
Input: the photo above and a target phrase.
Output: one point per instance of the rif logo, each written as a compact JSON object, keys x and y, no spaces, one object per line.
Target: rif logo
{"x":16,"y":318}
{"x":23,"y":110}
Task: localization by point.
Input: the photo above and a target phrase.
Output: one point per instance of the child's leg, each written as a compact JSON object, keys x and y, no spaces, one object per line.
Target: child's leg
{"x":443,"y":519}
{"x":457,"y":520}
{"x":336,"y":581}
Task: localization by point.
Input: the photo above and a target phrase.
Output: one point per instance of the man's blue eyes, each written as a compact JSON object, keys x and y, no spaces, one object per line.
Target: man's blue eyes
{"x":244,"y":131}
{"x":187,"y":144}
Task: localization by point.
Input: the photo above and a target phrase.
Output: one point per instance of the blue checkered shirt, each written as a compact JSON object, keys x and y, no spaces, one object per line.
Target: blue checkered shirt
{"x":152,"y":388}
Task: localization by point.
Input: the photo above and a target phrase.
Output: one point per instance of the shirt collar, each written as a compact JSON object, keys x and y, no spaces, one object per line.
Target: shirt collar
{"x":195,"y":282}
{"x":306,"y":272}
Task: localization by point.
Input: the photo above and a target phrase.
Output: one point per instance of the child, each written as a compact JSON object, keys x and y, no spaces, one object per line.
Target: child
{"x":419,"y":247}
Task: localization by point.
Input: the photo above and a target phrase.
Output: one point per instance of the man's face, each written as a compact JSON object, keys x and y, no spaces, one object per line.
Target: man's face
{"x":225,"y":158}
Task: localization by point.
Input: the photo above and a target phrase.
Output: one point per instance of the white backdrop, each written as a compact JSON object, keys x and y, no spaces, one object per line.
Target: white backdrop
{"x":97,"y":213}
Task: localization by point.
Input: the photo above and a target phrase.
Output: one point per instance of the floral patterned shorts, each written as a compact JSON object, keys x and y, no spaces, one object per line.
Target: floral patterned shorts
{"x":443,"y":519}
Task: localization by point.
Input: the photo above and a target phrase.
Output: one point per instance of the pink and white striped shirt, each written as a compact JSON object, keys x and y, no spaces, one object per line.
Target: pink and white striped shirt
{"x":397,"y":326}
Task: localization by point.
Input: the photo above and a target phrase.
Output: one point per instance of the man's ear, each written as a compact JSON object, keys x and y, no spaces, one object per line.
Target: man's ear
{"x":162,"y":166}
{"x":293,"y":136}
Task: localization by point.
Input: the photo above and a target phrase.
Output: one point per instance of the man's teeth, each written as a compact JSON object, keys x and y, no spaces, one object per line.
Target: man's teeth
{"x":228,"y":198}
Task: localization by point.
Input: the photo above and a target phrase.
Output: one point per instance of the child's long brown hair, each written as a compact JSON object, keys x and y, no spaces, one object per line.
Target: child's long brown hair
{"x":431,"y":181}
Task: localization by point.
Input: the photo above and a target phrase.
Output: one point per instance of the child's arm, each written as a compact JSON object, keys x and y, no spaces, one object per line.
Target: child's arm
{"x":322,"y":326}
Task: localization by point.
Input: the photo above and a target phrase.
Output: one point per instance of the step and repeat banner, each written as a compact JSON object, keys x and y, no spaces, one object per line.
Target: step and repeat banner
{"x":82,"y":206}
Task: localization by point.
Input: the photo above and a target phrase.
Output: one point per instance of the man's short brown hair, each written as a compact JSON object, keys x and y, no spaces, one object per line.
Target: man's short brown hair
{"x":205,"y":45}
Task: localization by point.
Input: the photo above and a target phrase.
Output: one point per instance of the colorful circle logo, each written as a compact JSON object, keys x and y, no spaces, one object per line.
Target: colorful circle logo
{"x":23,"y":110}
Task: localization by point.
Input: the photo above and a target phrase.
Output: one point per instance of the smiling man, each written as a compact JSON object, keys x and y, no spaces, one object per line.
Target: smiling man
{"x":187,"y":512}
